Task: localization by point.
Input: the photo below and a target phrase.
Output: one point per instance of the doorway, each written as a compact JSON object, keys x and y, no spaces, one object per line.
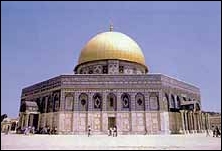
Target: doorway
{"x":111,"y":122}
{"x":36,"y":120}
{"x":33,"y":120}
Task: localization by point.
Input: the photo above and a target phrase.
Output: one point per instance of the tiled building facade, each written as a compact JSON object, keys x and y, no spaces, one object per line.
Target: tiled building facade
{"x":111,"y":87}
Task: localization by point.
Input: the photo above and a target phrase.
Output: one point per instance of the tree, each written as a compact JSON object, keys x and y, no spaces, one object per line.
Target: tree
{"x":3,"y":117}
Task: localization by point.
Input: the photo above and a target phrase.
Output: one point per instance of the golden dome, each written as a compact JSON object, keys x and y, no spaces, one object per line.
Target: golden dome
{"x":111,"y":45}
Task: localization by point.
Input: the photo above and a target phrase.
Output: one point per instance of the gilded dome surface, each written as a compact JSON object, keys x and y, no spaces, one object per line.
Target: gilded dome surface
{"x":111,"y":45}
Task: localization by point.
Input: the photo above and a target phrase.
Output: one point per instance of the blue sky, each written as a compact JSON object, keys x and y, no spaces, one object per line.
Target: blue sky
{"x":41,"y":40}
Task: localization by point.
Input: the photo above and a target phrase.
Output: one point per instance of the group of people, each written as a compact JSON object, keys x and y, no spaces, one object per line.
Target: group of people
{"x":29,"y":130}
{"x":112,"y":131}
{"x":216,"y":132}
{"x":47,"y":130}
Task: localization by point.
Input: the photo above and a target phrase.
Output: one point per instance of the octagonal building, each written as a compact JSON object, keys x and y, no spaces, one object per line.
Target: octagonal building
{"x":111,"y":87}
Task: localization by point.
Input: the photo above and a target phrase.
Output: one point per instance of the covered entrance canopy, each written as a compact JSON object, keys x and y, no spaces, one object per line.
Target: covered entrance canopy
{"x":29,"y":106}
{"x":30,"y":114}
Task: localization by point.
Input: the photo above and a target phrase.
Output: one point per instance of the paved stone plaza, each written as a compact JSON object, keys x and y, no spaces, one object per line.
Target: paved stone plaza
{"x":152,"y":142}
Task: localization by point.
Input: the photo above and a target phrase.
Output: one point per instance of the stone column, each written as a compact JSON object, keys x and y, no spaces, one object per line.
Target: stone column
{"x":104,"y":118}
{"x":89,"y":112}
{"x":186,"y":122}
{"x":146,"y":103}
{"x":118,"y":101}
{"x":132,"y":113}
{"x":31,"y":116}
{"x":191,"y":121}
{"x":22,"y":118}
{"x":203,"y":122}
{"x":208,"y":123}
{"x":182,"y":120}
{"x":147,"y":114}
{"x":45,"y":113}
{"x":198,"y":121}
{"x":27,"y":119}
{"x":76,"y":113}
{"x":118,"y":111}
{"x":39,"y":120}
{"x":158,"y":113}
{"x":72,"y":115}
{"x":195,"y":122}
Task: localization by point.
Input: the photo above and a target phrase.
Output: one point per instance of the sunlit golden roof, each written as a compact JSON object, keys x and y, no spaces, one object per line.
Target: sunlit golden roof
{"x":111,"y":45}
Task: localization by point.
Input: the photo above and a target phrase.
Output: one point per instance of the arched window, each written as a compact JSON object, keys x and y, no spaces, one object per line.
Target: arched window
{"x":154,"y":103}
{"x":125,"y":101}
{"x":49,"y":104}
{"x":69,"y":100}
{"x":83,"y":102}
{"x":56,"y":103}
{"x":111,"y":104}
{"x":97,"y":99}
{"x":140,"y":102}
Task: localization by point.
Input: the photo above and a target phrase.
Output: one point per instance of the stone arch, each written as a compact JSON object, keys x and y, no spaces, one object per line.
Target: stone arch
{"x":69,"y":102}
{"x":97,"y":101}
{"x":125,"y":101}
{"x":140,"y":102}
{"x":83,"y":102}
{"x":111,"y":104}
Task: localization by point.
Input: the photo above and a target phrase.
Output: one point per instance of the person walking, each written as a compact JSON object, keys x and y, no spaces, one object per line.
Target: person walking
{"x":207,"y":133}
{"x":115,"y":131}
{"x":214,"y":131}
{"x":89,"y":130}
{"x":112,"y":131}
{"x":109,"y":131}
{"x":217,"y":131}
{"x":33,"y":129}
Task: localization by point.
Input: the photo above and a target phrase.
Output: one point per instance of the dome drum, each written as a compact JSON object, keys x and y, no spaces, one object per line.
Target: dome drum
{"x":110,"y":67}
{"x":113,"y":49}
